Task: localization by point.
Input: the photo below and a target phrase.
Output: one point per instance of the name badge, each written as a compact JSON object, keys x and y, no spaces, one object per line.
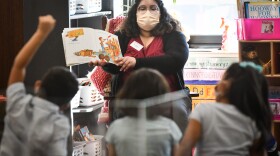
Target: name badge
{"x":136,"y":45}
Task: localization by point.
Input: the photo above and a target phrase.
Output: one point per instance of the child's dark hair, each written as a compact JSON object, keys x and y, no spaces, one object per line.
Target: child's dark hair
{"x":248,"y":92}
{"x":59,"y":85}
{"x":142,"y":84}
{"x":166,"y":24}
{"x":248,"y":48}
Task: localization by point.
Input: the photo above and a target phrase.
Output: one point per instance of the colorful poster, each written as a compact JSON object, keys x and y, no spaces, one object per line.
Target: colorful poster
{"x":204,"y":91}
{"x":196,"y":102}
{"x":203,"y":71}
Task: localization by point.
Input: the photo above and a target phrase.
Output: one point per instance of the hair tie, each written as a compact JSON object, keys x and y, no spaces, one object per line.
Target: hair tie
{"x":251,"y":64}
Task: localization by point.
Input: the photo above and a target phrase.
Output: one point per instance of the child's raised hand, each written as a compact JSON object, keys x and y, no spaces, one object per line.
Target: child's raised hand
{"x":46,"y":24}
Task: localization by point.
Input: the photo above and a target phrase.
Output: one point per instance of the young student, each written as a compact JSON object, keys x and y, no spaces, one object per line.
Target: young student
{"x":239,"y":123}
{"x":151,"y":38}
{"x":36,"y":125}
{"x":151,"y":135}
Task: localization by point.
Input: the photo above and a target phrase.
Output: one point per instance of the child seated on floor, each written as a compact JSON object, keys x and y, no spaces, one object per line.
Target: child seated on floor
{"x":239,"y":123}
{"x":36,"y":125}
{"x":139,"y":134}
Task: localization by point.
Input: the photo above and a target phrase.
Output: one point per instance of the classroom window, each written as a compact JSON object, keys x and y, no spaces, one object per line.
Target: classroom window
{"x":203,"y":18}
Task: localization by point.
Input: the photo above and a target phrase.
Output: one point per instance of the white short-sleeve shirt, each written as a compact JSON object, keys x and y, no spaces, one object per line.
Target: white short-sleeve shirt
{"x":225,"y":130}
{"x":134,"y":137}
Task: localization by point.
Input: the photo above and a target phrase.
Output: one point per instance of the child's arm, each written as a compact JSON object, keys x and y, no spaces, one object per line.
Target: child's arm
{"x":25,"y":55}
{"x":112,"y":150}
{"x":191,"y":136}
{"x":175,"y":149}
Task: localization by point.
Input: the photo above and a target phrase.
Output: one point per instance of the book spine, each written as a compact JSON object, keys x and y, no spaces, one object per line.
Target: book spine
{"x":246,"y":12}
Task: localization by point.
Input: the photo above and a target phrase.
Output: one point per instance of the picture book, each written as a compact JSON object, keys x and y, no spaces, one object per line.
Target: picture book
{"x":82,"y":45}
{"x":78,"y":136}
{"x":86,"y":134}
{"x":275,"y":108}
{"x":241,"y":9}
{"x":262,"y":9}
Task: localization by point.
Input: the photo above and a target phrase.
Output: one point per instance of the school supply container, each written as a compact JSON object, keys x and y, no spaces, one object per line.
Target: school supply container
{"x":72,"y":7}
{"x":88,"y":6}
{"x":258,"y":29}
{"x":75,"y":102}
{"x":93,"y":148}
{"x":89,"y":96}
{"x":78,"y":148}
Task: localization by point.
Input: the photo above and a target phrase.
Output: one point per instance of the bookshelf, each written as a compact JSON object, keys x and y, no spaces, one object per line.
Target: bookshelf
{"x":267,"y":49}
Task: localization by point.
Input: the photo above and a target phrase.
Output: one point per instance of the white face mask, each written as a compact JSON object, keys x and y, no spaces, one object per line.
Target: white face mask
{"x":147,"y":21}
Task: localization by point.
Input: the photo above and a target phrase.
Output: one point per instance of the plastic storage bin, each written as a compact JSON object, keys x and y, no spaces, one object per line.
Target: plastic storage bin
{"x":90,"y":96}
{"x":72,"y":7}
{"x":88,"y":6}
{"x":78,"y":148}
{"x":258,"y":29}
{"x":93,"y":148}
{"x":75,"y":102}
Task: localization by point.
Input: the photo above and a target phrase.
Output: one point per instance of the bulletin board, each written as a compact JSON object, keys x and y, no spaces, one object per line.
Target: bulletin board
{"x":202,"y":72}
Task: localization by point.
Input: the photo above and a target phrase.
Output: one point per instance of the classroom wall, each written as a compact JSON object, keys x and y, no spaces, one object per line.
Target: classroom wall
{"x":11,"y":40}
{"x":51,"y":53}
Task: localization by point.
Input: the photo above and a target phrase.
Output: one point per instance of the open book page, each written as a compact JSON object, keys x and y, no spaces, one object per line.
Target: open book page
{"x":82,"y":45}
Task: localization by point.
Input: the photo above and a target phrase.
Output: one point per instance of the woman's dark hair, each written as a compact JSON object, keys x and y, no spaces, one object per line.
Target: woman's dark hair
{"x":166,"y":24}
{"x":248,"y":92}
{"x":142,"y":84}
{"x":59,"y":85}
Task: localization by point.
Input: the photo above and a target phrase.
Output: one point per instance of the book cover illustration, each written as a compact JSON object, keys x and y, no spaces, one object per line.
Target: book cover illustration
{"x":275,"y":108}
{"x":267,"y":26}
{"x":82,"y":45}
{"x":262,"y":9}
{"x":241,"y":8}
{"x":87,"y":135}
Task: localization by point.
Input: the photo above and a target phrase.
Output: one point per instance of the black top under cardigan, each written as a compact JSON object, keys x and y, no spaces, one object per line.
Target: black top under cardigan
{"x":176,"y":55}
